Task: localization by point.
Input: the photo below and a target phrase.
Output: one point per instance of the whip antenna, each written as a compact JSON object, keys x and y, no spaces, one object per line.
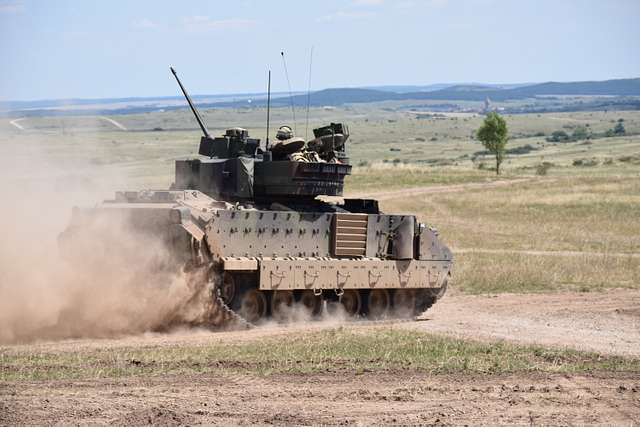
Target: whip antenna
{"x":286,"y":73}
{"x":266,"y":147}
{"x":306,"y":129}
{"x":194,"y":110}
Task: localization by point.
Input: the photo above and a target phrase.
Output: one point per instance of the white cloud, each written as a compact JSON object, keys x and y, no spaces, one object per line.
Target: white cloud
{"x":144,"y":24}
{"x":11,"y":6}
{"x":205,"y":23}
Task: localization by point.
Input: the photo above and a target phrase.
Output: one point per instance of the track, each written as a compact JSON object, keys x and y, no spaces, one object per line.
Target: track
{"x":224,"y":316}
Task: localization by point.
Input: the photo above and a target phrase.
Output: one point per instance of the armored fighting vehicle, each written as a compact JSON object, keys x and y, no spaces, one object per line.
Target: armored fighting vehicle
{"x":267,"y":225}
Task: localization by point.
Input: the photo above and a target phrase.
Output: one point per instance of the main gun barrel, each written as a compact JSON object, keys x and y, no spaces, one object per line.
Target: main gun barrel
{"x":193,"y":107}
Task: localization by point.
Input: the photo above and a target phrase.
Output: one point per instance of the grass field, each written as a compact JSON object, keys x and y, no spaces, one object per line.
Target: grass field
{"x":376,"y":136}
{"x":333,"y":350}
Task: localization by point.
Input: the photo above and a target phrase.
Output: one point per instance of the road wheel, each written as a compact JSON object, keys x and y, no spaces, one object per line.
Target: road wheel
{"x":378,"y":303}
{"x":404,"y":302}
{"x":227,"y":288}
{"x":311,"y":302}
{"x":253,"y":305}
{"x":281,"y":303}
{"x":351,"y":302}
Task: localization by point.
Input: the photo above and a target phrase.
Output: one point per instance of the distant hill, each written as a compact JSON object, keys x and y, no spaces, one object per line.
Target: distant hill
{"x":470,"y":92}
{"x":333,"y":97}
{"x":440,"y":86}
{"x":339,"y":96}
{"x":411,"y":88}
{"x":620,"y":87}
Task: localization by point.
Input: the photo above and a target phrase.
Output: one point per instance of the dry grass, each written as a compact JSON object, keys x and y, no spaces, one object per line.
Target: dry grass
{"x":579,"y":213}
{"x":387,"y":176}
{"x":512,"y":272}
{"x":590,"y":214}
{"x":376,"y":135}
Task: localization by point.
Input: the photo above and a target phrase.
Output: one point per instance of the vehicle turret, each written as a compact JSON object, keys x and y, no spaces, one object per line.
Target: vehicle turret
{"x":238,"y":167}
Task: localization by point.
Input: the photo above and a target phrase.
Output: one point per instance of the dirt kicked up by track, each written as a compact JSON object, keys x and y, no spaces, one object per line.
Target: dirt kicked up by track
{"x":605,"y":322}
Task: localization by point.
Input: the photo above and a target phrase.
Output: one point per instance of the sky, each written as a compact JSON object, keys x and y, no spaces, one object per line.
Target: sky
{"x":120,"y":48}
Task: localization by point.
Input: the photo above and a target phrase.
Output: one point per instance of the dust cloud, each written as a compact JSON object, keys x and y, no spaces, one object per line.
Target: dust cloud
{"x":96,"y":290}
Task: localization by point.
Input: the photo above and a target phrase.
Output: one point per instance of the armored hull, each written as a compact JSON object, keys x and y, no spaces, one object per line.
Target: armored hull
{"x":259,"y":261}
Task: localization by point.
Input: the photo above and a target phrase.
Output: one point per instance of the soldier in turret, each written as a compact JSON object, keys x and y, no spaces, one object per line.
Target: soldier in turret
{"x":288,"y":146}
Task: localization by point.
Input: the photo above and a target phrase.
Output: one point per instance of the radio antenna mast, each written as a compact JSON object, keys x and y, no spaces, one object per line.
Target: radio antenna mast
{"x":286,"y":73}
{"x":306,"y":129}
{"x":266,"y":147}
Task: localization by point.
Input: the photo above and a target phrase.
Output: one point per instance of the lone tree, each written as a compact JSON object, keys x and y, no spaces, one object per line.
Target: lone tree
{"x":494,"y":136}
{"x":619,"y":128}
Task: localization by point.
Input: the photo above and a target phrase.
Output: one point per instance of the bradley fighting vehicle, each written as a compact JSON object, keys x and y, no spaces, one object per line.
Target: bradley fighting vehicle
{"x":256,"y":218}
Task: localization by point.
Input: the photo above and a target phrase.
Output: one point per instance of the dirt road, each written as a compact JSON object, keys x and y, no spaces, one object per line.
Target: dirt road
{"x":606,"y":322}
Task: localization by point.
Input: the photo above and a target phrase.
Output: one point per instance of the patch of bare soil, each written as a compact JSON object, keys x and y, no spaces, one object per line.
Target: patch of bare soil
{"x":329,"y":399}
{"x":606,"y":322}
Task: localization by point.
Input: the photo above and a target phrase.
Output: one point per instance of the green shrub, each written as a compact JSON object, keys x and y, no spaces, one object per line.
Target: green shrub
{"x":558,"y":136}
